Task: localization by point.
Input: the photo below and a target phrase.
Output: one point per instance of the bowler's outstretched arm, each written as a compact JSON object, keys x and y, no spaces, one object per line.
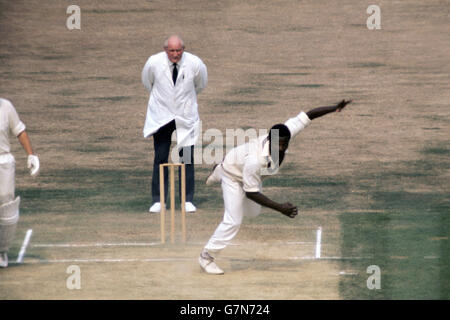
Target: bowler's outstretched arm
{"x":321,"y":111}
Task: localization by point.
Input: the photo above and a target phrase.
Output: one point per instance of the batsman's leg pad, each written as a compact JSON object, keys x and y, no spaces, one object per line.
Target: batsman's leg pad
{"x":9,"y":216}
{"x":7,"y":175}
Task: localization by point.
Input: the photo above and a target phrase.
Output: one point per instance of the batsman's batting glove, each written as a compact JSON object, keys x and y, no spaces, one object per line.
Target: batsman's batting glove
{"x":33,"y":164}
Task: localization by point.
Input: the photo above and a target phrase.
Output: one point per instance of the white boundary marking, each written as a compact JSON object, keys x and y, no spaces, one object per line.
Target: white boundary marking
{"x":25,"y":243}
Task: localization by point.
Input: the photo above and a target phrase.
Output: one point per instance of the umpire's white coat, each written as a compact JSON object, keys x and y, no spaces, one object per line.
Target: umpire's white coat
{"x":168,"y":101}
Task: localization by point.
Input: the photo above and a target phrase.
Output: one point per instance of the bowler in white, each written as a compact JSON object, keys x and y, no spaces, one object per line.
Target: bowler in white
{"x":241,"y":174}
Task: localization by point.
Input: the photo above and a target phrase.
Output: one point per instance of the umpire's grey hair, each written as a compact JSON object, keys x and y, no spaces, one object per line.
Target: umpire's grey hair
{"x":166,"y":43}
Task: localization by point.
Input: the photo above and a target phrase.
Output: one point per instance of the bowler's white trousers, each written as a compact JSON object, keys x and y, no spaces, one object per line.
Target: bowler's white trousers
{"x":237,"y":205}
{"x":7,"y":176}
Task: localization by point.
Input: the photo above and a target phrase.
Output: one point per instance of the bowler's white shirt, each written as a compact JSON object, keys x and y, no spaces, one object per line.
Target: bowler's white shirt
{"x":248,"y":162}
{"x":168,"y":101}
{"x":9,"y":122}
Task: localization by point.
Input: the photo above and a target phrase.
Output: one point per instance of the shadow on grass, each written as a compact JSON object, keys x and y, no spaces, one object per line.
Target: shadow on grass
{"x":87,"y":190}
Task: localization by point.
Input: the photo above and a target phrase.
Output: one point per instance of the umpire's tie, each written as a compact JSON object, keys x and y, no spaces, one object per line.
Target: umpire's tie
{"x":175,"y":73}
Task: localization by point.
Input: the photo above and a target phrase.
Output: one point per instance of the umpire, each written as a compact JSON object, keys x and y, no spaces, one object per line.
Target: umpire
{"x":174,"y":78}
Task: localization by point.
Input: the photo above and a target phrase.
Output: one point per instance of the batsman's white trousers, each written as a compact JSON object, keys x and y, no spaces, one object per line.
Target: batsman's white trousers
{"x":7,"y":176}
{"x":237,"y":205}
{"x":7,"y":185}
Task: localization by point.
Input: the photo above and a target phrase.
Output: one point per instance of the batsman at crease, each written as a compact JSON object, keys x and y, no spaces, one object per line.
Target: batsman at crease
{"x":241,"y":173}
{"x":9,"y":203}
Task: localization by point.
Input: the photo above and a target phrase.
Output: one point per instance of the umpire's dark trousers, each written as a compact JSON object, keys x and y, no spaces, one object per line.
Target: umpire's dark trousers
{"x":162,"y":140}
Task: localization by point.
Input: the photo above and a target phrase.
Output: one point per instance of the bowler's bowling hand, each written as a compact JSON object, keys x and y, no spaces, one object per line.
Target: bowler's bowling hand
{"x":341,"y":105}
{"x":288,"y":209}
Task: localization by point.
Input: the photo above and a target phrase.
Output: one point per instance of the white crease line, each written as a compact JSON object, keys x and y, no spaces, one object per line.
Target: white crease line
{"x":87,"y":245}
{"x":141,"y":244}
{"x":23,"y":249}
{"x":318,"y":242}
{"x":348,"y":273}
{"x":113,"y":260}
{"x":300,"y":242}
{"x":327,"y":258}
{"x":106,"y":260}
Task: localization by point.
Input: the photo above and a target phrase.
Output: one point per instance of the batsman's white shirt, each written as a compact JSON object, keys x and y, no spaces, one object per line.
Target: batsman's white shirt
{"x":9,"y":122}
{"x":168,"y":101}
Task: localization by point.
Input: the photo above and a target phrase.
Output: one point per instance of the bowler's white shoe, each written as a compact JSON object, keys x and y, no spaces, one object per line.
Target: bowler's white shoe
{"x":189,"y":207}
{"x":155,"y":208}
{"x":207,"y":263}
{"x":3,"y":259}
